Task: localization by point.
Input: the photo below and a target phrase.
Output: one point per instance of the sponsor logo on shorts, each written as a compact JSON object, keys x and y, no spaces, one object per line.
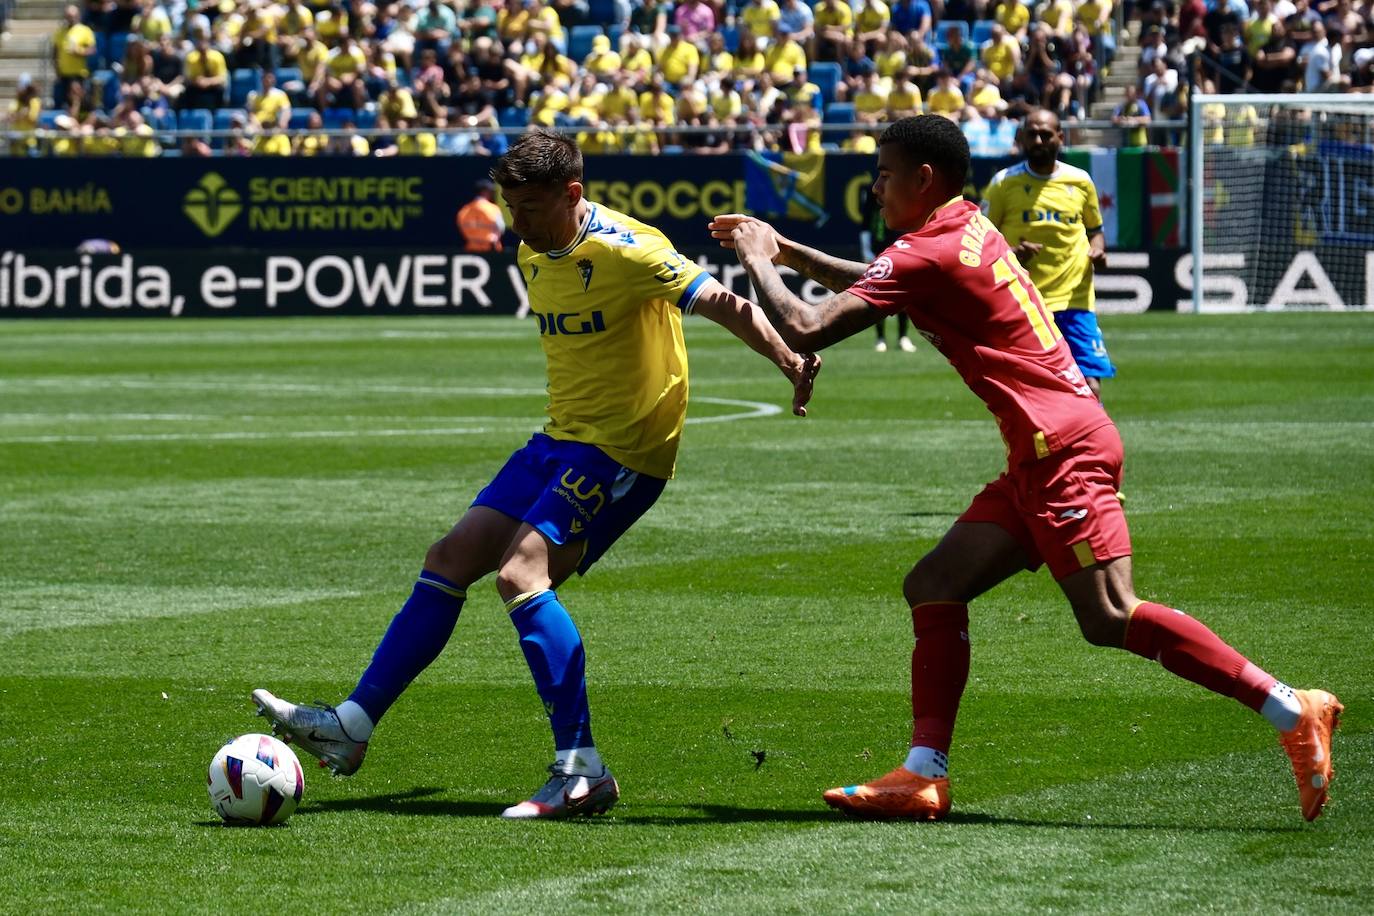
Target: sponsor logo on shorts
{"x":1076,"y":515}
{"x":587,"y":502}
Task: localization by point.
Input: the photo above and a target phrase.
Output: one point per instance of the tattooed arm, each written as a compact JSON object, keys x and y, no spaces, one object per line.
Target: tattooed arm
{"x":835,"y":274}
{"x":803,"y":327}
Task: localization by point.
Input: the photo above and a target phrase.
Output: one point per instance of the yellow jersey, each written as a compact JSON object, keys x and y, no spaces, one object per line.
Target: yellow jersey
{"x":74,"y":44}
{"x":609,"y":308}
{"x":1059,"y":212}
{"x":759,"y":17}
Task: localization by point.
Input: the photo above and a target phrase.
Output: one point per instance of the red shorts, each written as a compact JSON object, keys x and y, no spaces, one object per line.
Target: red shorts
{"x":1062,"y":509}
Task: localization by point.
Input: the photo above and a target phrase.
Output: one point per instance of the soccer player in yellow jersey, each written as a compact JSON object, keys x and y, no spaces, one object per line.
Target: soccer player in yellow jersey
{"x":607,"y":294}
{"x":1049,"y":212}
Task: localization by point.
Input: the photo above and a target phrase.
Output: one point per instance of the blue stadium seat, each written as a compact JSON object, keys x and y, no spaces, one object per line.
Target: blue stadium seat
{"x":580,"y":41}
{"x":198,"y":119}
{"x":160,"y":120}
{"x":335,"y":117}
{"x":288,"y":74}
{"x":241,"y":82}
{"x":106,"y":83}
{"x":299,"y":118}
{"x":982,"y":31}
{"x":47,"y":120}
{"x":513,"y":117}
{"x":118,"y":43}
{"x":224,"y":117}
{"x":839,"y":113}
{"x":826,"y":74}
{"x":366,"y":119}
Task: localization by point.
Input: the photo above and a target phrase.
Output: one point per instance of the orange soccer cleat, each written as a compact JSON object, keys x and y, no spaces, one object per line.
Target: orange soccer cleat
{"x":899,"y":794}
{"x":1308,"y":746}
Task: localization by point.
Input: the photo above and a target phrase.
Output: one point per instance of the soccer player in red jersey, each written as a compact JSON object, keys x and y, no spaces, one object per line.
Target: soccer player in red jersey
{"x":953,"y":273}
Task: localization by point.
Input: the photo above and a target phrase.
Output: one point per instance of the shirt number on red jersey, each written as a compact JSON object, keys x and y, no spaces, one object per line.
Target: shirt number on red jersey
{"x":1019,"y":284}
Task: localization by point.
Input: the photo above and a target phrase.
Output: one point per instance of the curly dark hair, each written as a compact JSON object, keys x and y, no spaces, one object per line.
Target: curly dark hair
{"x":539,"y":157}
{"x":933,"y":140}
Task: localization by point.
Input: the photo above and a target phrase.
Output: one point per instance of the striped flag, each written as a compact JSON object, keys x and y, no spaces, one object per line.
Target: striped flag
{"x":1119,"y":177}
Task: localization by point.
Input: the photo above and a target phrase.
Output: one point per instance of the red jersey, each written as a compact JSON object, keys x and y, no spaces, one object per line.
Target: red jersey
{"x":958,"y":280}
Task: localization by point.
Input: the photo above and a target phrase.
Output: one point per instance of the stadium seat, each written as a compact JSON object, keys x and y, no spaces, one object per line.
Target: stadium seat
{"x":223,"y":117}
{"x":982,"y":31}
{"x":47,"y":120}
{"x":826,"y":74}
{"x":366,"y":119}
{"x":106,"y":82}
{"x":299,"y":118}
{"x":839,"y":113}
{"x":513,"y":117}
{"x":289,"y":74}
{"x":334,"y":118}
{"x":196,"y":119}
{"x":241,"y":82}
{"x":160,"y":119}
{"x":580,"y":41}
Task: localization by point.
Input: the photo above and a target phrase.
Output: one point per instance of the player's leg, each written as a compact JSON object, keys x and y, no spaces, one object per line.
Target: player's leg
{"x":973,"y":557}
{"x":425,"y":622}
{"x":591,"y":501}
{"x":1084,"y":337}
{"x":880,"y":330}
{"x":1083,"y":536}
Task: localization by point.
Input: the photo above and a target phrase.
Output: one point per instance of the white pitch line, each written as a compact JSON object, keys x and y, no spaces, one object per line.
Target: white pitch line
{"x":238,"y":436}
{"x":755,"y":409}
{"x":229,"y":386}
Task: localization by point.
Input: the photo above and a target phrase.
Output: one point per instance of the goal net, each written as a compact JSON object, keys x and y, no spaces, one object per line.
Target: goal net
{"x":1282,"y":202}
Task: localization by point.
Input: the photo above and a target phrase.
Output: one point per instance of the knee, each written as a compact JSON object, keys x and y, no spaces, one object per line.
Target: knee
{"x":514,"y":579}
{"x":922,"y":585}
{"x":1103,"y":625}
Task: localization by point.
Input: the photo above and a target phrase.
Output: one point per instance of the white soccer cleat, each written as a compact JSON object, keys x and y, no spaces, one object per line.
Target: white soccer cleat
{"x":906,"y":345}
{"x":880,"y":346}
{"x":568,"y":795}
{"x":314,"y":729}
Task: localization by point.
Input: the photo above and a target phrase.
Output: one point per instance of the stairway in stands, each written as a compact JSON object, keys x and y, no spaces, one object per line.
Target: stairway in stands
{"x":24,"y":46}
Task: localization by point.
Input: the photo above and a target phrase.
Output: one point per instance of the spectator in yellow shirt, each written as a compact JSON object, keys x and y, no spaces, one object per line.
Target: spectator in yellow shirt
{"x":345,"y":79}
{"x":870,"y":99}
{"x":602,"y":61}
{"x":785,"y":55}
{"x":620,"y":99}
{"x":23,"y":116}
{"x":311,"y":141}
{"x":860,"y":141}
{"x":679,"y":60}
{"x":870,"y":24}
{"x":269,"y":106}
{"x":1058,"y":16}
{"x":834,"y":29}
{"x":759,"y":16}
{"x":153,"y":22}
{"x":904,"y":101}
{"x":137,"y":139}
{"x":207,"y":76}
{"x":946,"y":98}
{"x":1014,"y":16}
{"x":656,"y":106}
{"x":749,"y":61}
{"x":637,"y":61}
{"x":72,"y":44}
{"x":272,"y":143}
{"x":1001,"y":54}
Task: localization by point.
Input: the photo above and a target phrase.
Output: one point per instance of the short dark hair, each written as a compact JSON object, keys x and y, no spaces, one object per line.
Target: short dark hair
{"x":539,"y":157}
{"x":933,"y":140}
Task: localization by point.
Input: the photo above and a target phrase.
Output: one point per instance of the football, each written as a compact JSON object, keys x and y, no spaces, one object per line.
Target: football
{"x":255,"y":780}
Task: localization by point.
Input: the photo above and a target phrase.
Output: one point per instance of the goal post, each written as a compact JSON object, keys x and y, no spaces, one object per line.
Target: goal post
{"x":1281,"y":202}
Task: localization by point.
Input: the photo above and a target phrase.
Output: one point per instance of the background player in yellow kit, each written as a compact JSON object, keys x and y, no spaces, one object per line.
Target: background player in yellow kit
{"x":1049,"y":213}
{"x":608,"y":294}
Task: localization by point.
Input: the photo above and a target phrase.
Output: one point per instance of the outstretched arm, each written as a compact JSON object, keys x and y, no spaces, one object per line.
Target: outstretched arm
{"x":835,"y":274}
{"x":744,"y":319}
{"x":802,"y":326}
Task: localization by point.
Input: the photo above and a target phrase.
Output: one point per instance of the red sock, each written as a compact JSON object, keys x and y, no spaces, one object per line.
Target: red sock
{"x":939,"y":671}
{"x":1186,"y":647}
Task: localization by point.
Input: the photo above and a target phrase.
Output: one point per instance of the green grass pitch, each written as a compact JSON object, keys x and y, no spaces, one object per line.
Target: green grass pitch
{"x":191,"y":510}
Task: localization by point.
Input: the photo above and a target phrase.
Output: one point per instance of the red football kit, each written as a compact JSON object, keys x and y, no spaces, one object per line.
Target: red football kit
{"x":964,"y":290}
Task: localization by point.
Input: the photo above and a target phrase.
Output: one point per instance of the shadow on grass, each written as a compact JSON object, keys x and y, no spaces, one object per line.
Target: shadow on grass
{"x":420,"y":802}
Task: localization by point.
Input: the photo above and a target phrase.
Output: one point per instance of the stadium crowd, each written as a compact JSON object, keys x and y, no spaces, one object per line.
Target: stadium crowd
{"x":420,"y":77}
{"x":740,"y":74}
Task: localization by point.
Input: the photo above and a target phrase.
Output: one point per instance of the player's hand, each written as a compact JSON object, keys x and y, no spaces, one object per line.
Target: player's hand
{"x":723,"y":228}
{"x":802,"y":375}
{"x":1099,"y":259}
{"x":1025,"y":251}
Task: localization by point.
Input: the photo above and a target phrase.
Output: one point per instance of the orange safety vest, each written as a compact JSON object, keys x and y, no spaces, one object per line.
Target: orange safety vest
{"x":480,"y":222}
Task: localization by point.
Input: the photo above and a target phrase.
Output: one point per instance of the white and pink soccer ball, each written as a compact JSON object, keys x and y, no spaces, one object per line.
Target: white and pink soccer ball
{"x":255,"y":780}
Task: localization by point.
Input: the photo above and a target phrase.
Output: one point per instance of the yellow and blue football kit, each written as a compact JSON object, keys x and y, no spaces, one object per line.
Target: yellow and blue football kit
{"x":1059,"y":211}
{"x":609,"y":310}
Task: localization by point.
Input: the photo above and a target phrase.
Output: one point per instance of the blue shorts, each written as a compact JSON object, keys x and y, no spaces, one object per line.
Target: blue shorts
{"x":1084,"y":337}
{"x":571,"y":491}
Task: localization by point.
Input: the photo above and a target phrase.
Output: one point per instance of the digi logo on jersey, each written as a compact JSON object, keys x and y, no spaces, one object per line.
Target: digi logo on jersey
{"x":1048,"y":216}
{"x":556,"y":323}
